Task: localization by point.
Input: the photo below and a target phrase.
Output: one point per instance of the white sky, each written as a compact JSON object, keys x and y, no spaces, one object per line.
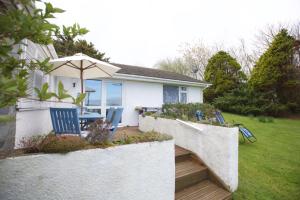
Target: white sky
{"x":141,"y":32}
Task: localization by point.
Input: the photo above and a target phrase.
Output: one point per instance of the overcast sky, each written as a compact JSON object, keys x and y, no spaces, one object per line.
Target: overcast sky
{"x":141,"y":32}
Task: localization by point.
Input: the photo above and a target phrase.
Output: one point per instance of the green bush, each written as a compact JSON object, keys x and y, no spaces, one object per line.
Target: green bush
{"x":67,"y":143}
{"x":262,"y":119}
{"x":62,"y":144}
{"x":265,"y":119}
{"x":187,"y":111}
{"x":31,"y":144}
{"x":270,"y":119}
{"x":248,"y":102}
{"x":143,"y":137}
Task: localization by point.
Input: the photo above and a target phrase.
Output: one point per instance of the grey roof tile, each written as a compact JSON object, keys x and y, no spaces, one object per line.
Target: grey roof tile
{"x":156,"y":73}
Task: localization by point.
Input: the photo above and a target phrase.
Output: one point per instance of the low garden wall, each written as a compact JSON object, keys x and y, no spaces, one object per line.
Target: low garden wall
{"x":216,"y":146}
{"x":36,"y":120}
{"x":130,"y":172}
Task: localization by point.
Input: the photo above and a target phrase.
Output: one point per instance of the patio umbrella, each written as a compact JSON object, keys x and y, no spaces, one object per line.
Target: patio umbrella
{"x":83,"y":67}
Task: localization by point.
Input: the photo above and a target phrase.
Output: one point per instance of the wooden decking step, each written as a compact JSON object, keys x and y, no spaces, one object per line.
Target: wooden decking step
{"x":205,"y":190}
{"x":189,"y":172}
{"x":181,"y":154}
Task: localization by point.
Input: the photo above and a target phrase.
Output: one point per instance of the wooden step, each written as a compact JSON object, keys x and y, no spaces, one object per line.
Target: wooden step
{"x":181,"y":154}
{"x":205,"y":190}
{"x":188,"y":173}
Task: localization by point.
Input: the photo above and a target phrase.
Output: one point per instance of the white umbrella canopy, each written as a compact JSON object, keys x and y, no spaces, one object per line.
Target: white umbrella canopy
{"x":81,"y":66}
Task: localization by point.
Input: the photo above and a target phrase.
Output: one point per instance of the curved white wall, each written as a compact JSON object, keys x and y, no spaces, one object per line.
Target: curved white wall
{"x":217,"y":146}
{"x":129,"y":172}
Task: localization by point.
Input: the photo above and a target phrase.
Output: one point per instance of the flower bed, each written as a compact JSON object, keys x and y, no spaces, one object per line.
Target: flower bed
{"x":67,"y":143}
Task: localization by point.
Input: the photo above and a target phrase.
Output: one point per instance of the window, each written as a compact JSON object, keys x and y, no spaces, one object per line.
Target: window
{"x":183,"y":95}
{"x":174,"y":94}
{"x":170,"y":94}
{"x":93,"y":92}
{"x":114,"y":94}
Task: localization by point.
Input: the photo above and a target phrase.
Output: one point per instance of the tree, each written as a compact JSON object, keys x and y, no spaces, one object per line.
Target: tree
{"x":174,"y":65}
{"x":265,"y":36}
{"x":245,"y":57}
{"x":276,"y":73}
{"x":17,"y":23}
{"x":225,"y":74}
{"x":195,"y":57}
{"x":67,"y":44}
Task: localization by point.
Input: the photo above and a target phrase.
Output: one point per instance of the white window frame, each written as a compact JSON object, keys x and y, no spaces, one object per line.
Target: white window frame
{"x":183,"y":91}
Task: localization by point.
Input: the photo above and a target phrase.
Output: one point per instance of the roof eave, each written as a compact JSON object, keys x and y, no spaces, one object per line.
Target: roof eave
{"x":159,"y":80}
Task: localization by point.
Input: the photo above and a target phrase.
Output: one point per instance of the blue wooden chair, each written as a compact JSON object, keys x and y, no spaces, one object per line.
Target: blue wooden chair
{"x":246,"y":133}
{"x":116,"y":118}
{"x":110,"y":113}
{"x":65,"y":121}
{"x":200,"y":115}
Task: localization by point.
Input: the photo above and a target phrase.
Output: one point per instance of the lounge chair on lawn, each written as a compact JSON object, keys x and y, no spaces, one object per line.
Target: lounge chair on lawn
{"x":246,"y":133}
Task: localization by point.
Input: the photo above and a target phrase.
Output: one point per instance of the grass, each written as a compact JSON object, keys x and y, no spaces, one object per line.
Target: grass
{"x":269,"y":168}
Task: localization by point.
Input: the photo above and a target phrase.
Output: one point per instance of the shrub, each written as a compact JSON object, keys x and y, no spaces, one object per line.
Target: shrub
{"x":31,"y":144}
{"x":246,"y":101}
{"x":262,"y":119}
{"x":265,"y":119}
{"x":67,"y":143}
{"x":187,"y":111}
{"x":270,"y":119}
{"x":99,"y":133}
{"x":143,"y":137}
{"x":62,"y":144}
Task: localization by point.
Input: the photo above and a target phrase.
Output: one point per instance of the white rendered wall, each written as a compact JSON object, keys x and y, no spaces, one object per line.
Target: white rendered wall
{"x":129,"y":172}
{"x":68,"y":85}
{"x":216,"y":146}
{"x":142,"y":94}
{"x":36,"y":121}
{"x":195,"y":95}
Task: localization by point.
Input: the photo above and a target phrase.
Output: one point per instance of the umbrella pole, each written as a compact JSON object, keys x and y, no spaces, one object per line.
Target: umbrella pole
{"x":81,"y":83}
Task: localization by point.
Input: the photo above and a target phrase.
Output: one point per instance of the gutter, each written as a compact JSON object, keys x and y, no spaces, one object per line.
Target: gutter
{"x":159,"y":80}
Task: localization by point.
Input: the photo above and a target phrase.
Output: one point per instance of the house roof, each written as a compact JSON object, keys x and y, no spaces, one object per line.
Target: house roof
{"x":156,"y":73}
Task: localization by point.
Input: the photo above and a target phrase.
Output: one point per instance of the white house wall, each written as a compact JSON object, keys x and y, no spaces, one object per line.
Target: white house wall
{"x":143,"y":94}
{"x":68,"y":85}
{"x":134,"y":94}
{"x":195,"y":95}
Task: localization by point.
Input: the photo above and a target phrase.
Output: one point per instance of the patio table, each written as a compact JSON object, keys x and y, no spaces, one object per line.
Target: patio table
{"x":88,"y":117}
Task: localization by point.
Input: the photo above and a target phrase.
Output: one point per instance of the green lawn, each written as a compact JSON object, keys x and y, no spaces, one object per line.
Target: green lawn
{"x":269,"y":168}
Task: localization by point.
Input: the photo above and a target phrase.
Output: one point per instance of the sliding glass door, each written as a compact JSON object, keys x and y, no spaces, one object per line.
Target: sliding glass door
{"x":101,"y":95}
{"x":93,"y":99}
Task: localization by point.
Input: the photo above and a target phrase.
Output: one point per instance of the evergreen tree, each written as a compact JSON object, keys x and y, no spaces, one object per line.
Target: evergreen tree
{"x":66,"y":43}
{"x":225,"y":74}
{"x":275,"y":74}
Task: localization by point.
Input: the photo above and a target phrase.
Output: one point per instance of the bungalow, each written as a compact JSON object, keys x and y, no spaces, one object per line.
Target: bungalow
{"x":130,"y":87}
{"x":133,"y":87}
